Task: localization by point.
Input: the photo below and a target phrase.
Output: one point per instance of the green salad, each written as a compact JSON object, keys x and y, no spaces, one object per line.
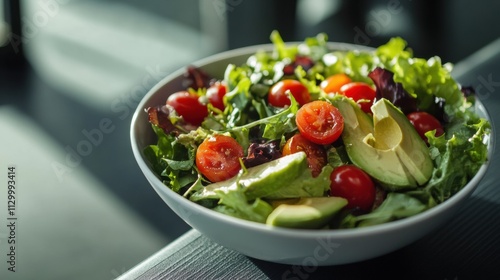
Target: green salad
{"x":308,"y":137}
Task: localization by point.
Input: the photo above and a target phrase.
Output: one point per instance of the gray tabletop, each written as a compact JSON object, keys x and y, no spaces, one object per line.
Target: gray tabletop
{"x":467,"y":247}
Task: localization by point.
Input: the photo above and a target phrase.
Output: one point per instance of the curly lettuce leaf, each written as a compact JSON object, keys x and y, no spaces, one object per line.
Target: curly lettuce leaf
{"x":396,"y":206}
{"x":173,"y":161}
{"x":457,"y":159}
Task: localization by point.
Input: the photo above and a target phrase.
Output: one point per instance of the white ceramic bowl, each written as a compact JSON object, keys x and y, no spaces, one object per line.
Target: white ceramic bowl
{"x":281,"y":245}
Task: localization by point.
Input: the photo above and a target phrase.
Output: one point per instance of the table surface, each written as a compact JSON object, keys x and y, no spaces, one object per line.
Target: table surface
{"x":467,"y":247}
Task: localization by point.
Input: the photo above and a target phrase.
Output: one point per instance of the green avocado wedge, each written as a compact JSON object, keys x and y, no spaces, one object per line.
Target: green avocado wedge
{"x":306,"y":213}
{"x":395,"y":132}
{"x":261,"y":180}
{"x":386,"y":146}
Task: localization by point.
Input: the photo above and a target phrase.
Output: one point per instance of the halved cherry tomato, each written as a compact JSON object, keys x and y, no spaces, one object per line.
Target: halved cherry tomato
{"x":320,"y":122}
{"x":333,"y":83}
{"x":316,"y":154}
{"x":423,"y":122}
{"x":278,"y":94}
{"x":353,"y":184}
{"x":360,"y":92}
{"x":217,"y":157}
{"x":215,"y":95}
{"x":188,"y":106}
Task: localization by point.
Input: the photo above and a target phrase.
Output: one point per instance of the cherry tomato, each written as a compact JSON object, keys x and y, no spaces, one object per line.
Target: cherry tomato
{"x":316,"y":154}
{"x":333,"y":83}
{"x":353,"y":184}
{"x":320,"y":122}
{"x":187,"y":105}
{"x":423,"y":122}
{"x":360,"y":92}
{"x":217,"y":158}
{"x":278,"y":94}
{"x":215,"y":95}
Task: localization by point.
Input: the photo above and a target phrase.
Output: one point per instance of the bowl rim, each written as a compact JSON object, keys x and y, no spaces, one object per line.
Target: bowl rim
{"x":349,"y":233}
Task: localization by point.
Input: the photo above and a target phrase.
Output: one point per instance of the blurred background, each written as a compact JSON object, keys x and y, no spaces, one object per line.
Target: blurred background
{"x":72,"y":72}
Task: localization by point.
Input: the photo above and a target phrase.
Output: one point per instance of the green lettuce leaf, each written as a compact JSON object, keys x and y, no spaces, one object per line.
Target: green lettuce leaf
{"x":234,"y":202}
{"x":457,"y":159}
{"x":282,"y":50}
{"x":173,"y":161}
{"x":396,"y":206}
{"x":274,"y":126}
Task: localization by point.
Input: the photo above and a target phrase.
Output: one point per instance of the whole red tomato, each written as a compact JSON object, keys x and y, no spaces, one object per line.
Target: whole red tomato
{"x":215,"y":95}
{"x":360,"y":92}
{"x":353,"y":184}
{"x":278,"y":94}
{"x":188,"y":106}
{"x":423,"y":122}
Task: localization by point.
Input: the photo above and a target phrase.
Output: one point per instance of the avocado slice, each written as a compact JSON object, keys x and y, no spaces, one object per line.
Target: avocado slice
{"x":386,"y":146}
{"x":395,"y":132}
{"x":307,"y":212}
{"x":261,"y":180}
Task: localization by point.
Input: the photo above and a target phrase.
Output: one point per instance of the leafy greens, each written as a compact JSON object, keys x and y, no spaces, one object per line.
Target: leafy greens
{"x":412,"y":84}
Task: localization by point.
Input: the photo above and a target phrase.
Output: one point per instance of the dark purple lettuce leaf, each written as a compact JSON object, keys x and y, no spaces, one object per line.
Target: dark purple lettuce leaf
{"x":262,"y":151}
{"x":304,"y":61}
{"x":196,"y":78}
{"x":468,"y":91}
{"x":387,"y":88}
{"x":159,"y":116}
